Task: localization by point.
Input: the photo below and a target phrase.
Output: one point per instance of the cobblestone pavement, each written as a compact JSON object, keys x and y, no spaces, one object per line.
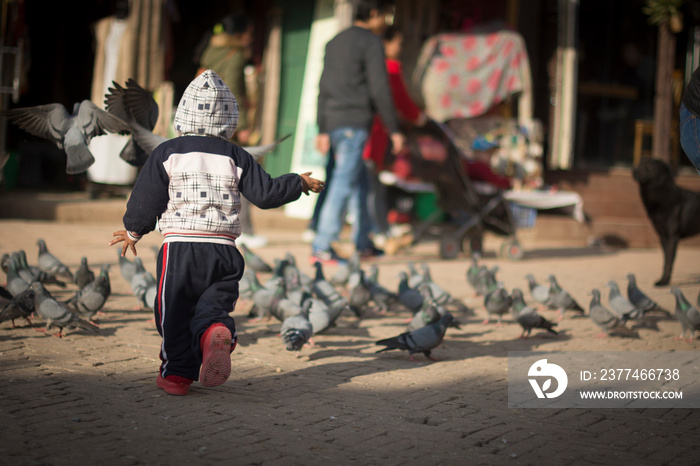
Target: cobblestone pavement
{"x":88,"y":398}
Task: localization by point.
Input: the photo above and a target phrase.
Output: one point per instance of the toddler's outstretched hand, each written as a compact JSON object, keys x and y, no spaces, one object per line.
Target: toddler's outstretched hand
{"x":311,"y":184}
{"x":120,"y":236}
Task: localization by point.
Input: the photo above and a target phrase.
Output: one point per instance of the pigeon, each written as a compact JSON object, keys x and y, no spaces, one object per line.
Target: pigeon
{"x":422,"y":340}
{"x":345,"y":270}
{"x":263,"y":297}
{"x":621,"y":305}
{"x":473,"y":271}
{"x":21,"y":306}
{"x":561,"y":300}
{"x":143,"y":284}
{"x":381,"y":296}
{"x":135,"y":106}
{"x":32,"y":273}
{"x":88,"y":300}
{"x":439,"y":294}
{"x":687,"y":314}
{"x":281,"y":307}
{"x":254,"y":261}
{"x":126,"y":267}
{"x":607,"y":320}
{"x":15,"y":283}
{"x":540,"y":293}
{"x":319,"y":314}
{"x":409,"y":297}
{"x":57,"y":314}
{"x":497,"y":302}
{"x":51,"y":264}
{"x":297,"y":330}
{"x":428,"y":313}
{"x":140,"y":109}
{"x":326,"y":292}
{"x":641,"y":300}
{"x":526,"y":316}
{"x":360,"y":294}
{"x":69,"y":132}
{"x":83,"y":275}
{"x":414,"y":277}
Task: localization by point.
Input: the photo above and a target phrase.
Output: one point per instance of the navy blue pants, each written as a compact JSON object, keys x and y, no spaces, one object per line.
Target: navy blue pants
{"x":197,"y":287}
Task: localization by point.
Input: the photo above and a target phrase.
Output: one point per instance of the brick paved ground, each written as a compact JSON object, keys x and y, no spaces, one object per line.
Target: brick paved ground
{"x":92,"y":398}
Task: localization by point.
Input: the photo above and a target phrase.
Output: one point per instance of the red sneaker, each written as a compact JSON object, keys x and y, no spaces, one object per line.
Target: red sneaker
{"x":216,"y":356}
{"x":174,"y":384}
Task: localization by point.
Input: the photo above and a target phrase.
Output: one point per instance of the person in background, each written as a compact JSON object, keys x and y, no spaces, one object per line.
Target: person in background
{"x":227,"y":54}
{"x":378,"y":145}
{"x":191,"y":186}
{"x":689,"y":114}
{"x":353,"y":86}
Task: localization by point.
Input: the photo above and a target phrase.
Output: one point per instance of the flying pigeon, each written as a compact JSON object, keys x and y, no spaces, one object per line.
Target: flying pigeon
{"x":687,"y":314}
{"x":138,"y":110}
{"x":561,"y":300}
{"x":526,"y":316}
{"x":497,"y":302}
{"x":297,"y":330}
{"x":607,"y":320}
{"x":57,"y":314}
{"x":641,"y":300}
{"x":51,"y":264}
{"x":69,"y":132}
{"x":422,"y":340}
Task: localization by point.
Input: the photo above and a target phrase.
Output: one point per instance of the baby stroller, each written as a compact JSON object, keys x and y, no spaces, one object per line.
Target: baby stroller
{"x":471,"y":212}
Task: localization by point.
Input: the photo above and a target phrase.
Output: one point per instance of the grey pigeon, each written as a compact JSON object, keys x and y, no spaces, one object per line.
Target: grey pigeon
{"x":360,"y":294}
{"x":428,"y":313}
{"x":326,"y":292}
{"x":52,"y":264}
{"x":21,"y":306}
{"x":57,"y":314}
{"x":282,"y":307}
{"x":31,"y":273}
{"x":381,"y":296}
{"x":137,"y":107}
{"x":422,"y":340}
{"x":254,"y":261}
{"x":345,"y":270}
{"x":319,"y":314}
{"x":539,"y":292}
{"x":561,"y":300}
{"x":607,"y":320}
{"x":69,"y":132}
{"x":473,"y":272}
{"x":143,"y":284}
{"x":126,"y":267}
{"x":687,"y":314}
{"x":140,"y":110}
{"x":83,"y":275}
{"x":414,"y":277}
{"x":497,"y":303}
{"x":15,"y":283}
{"x":409,"y":297}
{"x":297,"y":330}
{"x":88,"y":300}
{"x":527,"y":316}
{"x":621,"y":305}
{"x":641,"y":300}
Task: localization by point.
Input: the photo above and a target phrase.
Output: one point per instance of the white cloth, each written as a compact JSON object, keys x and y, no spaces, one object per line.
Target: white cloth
{"x":543,"y":200}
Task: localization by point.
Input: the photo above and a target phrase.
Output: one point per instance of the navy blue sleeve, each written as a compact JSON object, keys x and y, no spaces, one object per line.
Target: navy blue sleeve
{"x":261,"y":189}
{"x":149,"y":198}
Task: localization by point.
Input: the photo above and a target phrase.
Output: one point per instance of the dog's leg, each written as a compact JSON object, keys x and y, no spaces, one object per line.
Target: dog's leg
{"x":669,"y":246}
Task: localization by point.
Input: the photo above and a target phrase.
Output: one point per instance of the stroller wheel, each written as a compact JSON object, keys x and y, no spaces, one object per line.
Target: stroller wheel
{"x":511,"y":250}
{"x":449,"y":246}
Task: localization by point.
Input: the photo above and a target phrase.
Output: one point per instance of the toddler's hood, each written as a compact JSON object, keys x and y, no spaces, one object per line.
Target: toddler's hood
{"x":207,"y":108}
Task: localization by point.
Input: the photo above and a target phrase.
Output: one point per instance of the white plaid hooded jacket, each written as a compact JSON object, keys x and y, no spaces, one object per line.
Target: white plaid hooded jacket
{"x":191,"y":185}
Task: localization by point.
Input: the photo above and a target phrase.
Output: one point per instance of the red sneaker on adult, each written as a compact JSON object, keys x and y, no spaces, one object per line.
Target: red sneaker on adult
{"x":174,"y":384}
{"x":216,"y":356}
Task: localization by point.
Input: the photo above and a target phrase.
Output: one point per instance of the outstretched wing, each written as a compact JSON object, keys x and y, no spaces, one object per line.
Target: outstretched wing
{"x":132,"y":103}
{"x":46,"y":121}
{"x":93,"y":121}
{"x":259,"y":151}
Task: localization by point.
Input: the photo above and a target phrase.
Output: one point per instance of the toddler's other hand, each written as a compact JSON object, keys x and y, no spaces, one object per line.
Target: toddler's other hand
{"x":120,"y":236}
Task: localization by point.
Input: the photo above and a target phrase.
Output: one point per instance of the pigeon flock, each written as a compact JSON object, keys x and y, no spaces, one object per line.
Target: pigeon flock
{"x":304,"y":305}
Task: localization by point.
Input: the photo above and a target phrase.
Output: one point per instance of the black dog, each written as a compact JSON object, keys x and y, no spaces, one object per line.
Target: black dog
{"x":674,"y":211}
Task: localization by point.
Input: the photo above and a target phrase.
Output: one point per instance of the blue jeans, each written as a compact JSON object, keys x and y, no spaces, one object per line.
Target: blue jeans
{"x":690,"y":136}
{"x":347,"y":192}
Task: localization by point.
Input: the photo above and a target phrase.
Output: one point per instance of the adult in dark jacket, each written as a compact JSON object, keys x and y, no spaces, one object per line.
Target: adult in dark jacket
{"x":354,"y":84}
